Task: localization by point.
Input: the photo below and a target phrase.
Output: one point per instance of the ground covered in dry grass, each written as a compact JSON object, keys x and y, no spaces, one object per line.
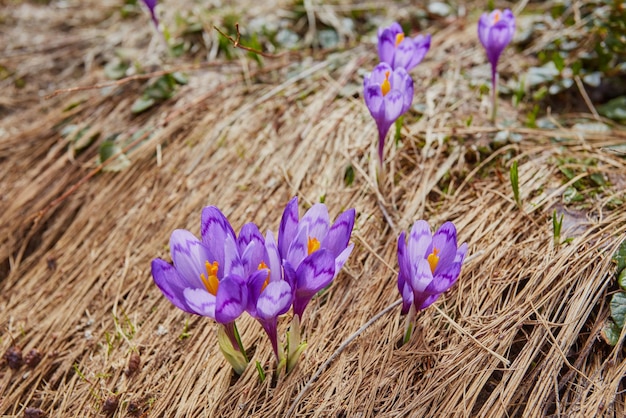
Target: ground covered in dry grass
{"x":519,"y":335}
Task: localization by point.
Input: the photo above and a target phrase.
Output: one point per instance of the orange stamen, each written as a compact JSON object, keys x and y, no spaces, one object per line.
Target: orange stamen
{"x":399,"y":38}
{"x":262,"y":266}
{"x":433,"y":259}
{"x":211,"y":282}
{"x":386,"y":86}
{"x":313,"y":245}
{"x":496,"y":17}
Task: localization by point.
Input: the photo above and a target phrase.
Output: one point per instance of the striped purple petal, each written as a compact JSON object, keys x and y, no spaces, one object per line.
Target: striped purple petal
{"x":288,"y":227}
{"x":339,"y":234}
{"x":214,"y":227}
{"x":231,"y":299}
{"x":275,"y":300}
{"x":189,"y":256}
{"x":316,"y":221}
{"x":171,"y":283}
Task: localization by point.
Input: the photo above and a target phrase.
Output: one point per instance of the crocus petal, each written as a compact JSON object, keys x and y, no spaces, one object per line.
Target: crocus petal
{"x":484,"y":24}
{"x":341,"y":259}
{"x":422,"y":45}
{"x":403,"y":262}
{"x":338,"y":235}
{"x":249,"y":233}
{"x":214,"y":229}
{"x":394,"y":104}
{"x":444,"y":240}
{"x":407,"y":298}
{"x":275,"y":300}
{"x":298,"y":249}
{"x":315,"y":273}
{"x":317,"y":221}
{"x":386,"y":46}
{"x":445,"y":278}
{"x":288,"y":227}
{"x":255,"y":284}
{"x":429,"y":301}
{"x":200,"y":301}
{"x":379,"y":73}
{"x":252,"y":256}
{"x":404,"y":54}
{"x":374,"y":102}
{"x":422,"y":277}
{"x":273,"y":257}
{"x":189,"y":256}
{"x":232,"y":260}
{"x":419,"y":240}
{"x":171,"y":283}
{"x":231,"y":299}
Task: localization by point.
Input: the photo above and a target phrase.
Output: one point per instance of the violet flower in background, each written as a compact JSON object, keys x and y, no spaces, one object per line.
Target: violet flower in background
{"x":207,"y":276}
{"x":495,"y":31}
{"x":399,"y":51}
{"x":312,"y":250}
{"x":429,"y":266}
{"x":388,"y":94}
{"x":151,"y":5}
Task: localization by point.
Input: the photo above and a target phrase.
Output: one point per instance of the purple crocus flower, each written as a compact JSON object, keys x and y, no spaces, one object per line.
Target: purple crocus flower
{"x":495,"y":31}
{"x":388,"y":95}
{"x":399,"y":51}
{"x":312,"y":250}
{"x":151,"y":5}
{"x":269,"y":295}
{"x":208,"y":276}
{"x":429,"y":264}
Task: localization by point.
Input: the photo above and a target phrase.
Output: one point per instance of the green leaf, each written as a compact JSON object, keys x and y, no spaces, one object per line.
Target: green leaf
{"x":348,"y":177}
{"x":614,"y":109}
{"x":108,"y":149}
{"x":618,"y":309}
{"x":180,"y":78}
{"x":619,"y":257}
{"x":116,"y":69}
{"x":621,"y":279}
{"x":142,"y":104}
{"x":610,"y":333}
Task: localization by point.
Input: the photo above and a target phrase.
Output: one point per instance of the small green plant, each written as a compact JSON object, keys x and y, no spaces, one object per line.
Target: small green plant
{"x":614,"y":325}
{"x":557,"y":224}
{"x":185,"y":333}
{"x":513,"y":174}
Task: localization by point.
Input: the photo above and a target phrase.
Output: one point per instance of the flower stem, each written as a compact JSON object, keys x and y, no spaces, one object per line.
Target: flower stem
{"x":494,"y":93}
{"x":408,"y":330}
{"x":239,"y":344}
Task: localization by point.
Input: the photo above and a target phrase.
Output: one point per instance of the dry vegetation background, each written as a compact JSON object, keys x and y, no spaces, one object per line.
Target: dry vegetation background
{"x":76,"y":246}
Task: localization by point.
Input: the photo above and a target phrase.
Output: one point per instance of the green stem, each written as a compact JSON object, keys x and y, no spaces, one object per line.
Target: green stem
{"x":238,"y":337}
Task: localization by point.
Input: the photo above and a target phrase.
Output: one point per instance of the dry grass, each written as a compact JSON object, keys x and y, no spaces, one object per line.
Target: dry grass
{"x":74,"y":272}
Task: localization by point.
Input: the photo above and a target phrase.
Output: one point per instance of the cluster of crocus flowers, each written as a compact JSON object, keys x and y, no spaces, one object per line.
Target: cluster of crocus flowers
{"x":221,"y":275}
{"x":388,"y":90}
{"x":495,"y":31}
{"x":429,"y":265}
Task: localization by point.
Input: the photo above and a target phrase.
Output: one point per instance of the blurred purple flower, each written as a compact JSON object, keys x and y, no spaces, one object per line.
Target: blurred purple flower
{"x":429,"y":264}
{"x":151,"y":5}
{"x":495,"y":31}
{"x":269,"y":295}
{"x":399,"y":51}
{"x":208,"y":276}
{"x":312,"y":250}
{"x":388,"y":94}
